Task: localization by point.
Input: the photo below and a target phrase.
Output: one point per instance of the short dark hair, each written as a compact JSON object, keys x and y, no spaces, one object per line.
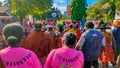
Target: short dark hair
{"x":89,"y":25}
{"x":38,"y":26}
{"x":76,"y":27}
{"x":71,"y":25}
{"x":13,"y":30}
{"x":69,"y":39}
{"x":50,"y":28}
{"x":60,"y":28}
{"x":103,"y":26}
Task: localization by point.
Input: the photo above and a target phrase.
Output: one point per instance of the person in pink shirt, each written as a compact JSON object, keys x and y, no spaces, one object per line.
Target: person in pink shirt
{"x":15,"y":56}
{"x":67,"y":56}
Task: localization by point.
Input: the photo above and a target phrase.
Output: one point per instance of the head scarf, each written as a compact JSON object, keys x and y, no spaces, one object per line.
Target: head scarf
{"x":116,"y":23}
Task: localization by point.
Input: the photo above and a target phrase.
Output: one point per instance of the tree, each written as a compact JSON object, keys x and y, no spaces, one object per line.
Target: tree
{"x":0,"y":4}
{"x":117,"y":5}
{"x":78,"y":9}
{"x":94,"y":11}
{"x":21,"y":8}
{"x":104,"y":9}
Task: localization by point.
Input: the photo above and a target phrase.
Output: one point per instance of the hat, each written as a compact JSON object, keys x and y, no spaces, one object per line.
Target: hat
{"x":116,"y":23}
{"x":77,"y":24}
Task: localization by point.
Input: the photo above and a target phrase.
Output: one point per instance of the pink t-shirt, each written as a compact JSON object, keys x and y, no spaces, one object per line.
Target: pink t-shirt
{"x":19,"y":58}
{"x":65,"y":58}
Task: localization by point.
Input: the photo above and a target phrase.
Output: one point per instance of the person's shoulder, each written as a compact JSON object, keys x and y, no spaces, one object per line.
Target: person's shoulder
{"x":32,"y":35}
{"x":86,"y":32}
{"x":8,"y":50}
{"x":5,"y":50}
{"x":115,"y":28}
{"x":80,"y":52}
{"x":109,"y":33}
{"x":99,"y":32}
{"x":26,"y":50}
{"x":29,"y":52}
{"x":52,"y":51}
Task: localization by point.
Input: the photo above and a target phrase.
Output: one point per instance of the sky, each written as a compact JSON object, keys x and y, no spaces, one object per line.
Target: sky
{"x":1,"y":0}
{"x":61,"y":4}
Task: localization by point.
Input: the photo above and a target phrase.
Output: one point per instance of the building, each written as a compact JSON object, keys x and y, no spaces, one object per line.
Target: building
{"x":68,"y":10}
{"x":5,"y":16}
{"x":65,"y":13}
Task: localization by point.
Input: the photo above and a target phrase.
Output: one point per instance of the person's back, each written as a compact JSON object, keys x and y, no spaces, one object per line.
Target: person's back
{"x":116,"y":34}
{"x":91,"y":47}
{"x":78,"y":31}
{"x":19,"y":57}
{"x":14,"y":56}
{"x":39,"y":43}
{"x":52,"y":36}
{"x":59,"y":36}
{"x":90,"y":43}
{"x":65,"y":57}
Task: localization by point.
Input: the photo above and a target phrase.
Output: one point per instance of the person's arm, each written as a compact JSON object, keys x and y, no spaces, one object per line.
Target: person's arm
{"x":80,"y":43}
{"x":103,"y":43}
{"x":113,"y":44}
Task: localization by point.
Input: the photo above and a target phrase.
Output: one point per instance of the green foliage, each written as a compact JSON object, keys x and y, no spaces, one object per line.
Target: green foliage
{"x":65,"y":17}
{"x":104,"y":9}
{"x":21,"y":8}
{"x":117,"y":5}
{"x":0,"y":4}
{"x":78,"y":9}
{"x":94,"y":11}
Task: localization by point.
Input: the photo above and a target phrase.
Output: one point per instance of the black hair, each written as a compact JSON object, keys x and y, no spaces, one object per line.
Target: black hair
{"x":102,"y":26}
{"x":38,"y":26}
{"x":60,"y":28}
{"x":71,"y":25}
{"x":50,"y":28}
{"x":89,"y":25}
{"x":77,"y":27}
{"x":69,"y":39}
{"x":100,"y":23}
{"x":13,"y":32}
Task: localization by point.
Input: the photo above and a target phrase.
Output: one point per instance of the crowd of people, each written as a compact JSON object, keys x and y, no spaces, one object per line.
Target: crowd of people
{"x":66,"y":45}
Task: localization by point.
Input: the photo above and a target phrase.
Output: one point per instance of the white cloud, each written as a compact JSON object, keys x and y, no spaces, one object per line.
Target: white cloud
{"x":55,"y":5}
{"x":61,"y":8}
{"x":2,"y":0}
{"x":62,"y":1}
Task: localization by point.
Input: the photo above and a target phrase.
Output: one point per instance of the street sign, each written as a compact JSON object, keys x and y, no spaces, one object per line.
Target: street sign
{"x":54,"y":14}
